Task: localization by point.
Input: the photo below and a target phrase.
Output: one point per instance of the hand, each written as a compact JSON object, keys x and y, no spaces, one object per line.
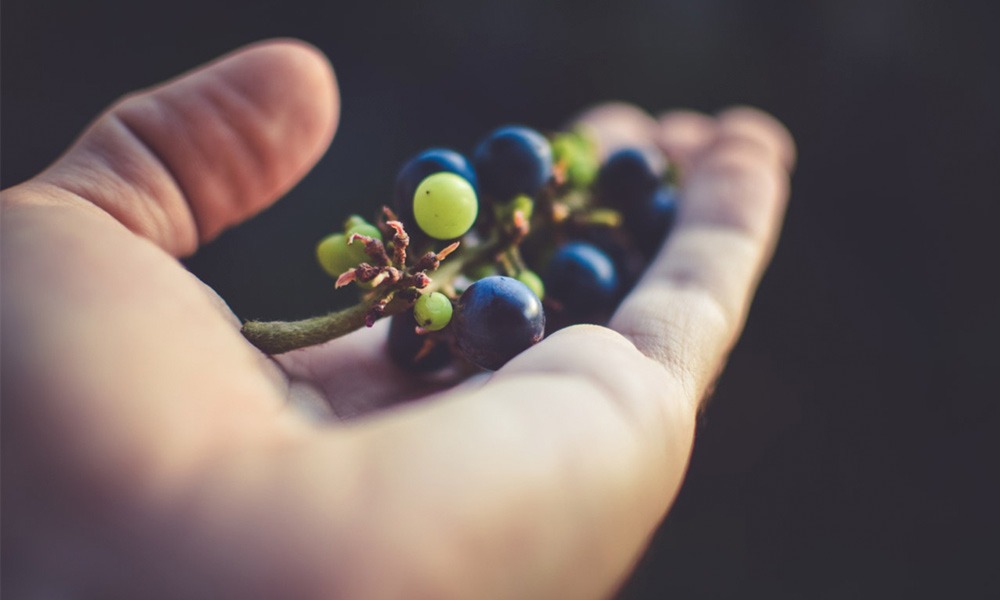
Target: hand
{"x":148,"y":451}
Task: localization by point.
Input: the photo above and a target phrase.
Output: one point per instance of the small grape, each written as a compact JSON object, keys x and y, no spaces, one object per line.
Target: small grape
{"x":361,"y":227}
{"x":405,"y":345}
{"x":583,"y":279}
{"x":577,"y":153}
{"x":418,"y":168}
{"x":650,"y":221}
{"x":496,"y":319}
{"x":334,"y":255}
{"x":630,"y":177}
{"x":337,"y":254}
{"x":433,"y":311}
{"x":533,"y":281}
{"x":482,"y":271}
{"x":619,"y":245}
{"x":513,"y":160}
{"x":445,"y":206}
{"x":524,"y":204}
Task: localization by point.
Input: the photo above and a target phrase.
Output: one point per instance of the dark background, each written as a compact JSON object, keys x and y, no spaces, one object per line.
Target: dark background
{"x":848,"y":450}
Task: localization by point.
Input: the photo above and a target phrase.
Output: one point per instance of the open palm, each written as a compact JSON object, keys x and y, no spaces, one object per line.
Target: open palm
{"x":149,"y":451}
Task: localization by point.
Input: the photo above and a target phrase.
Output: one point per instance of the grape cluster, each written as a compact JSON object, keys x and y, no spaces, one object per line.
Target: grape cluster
{"x":538,"y":232}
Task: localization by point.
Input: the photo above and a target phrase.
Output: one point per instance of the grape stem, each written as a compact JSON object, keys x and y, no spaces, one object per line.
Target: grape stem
{"x":278,"y":337}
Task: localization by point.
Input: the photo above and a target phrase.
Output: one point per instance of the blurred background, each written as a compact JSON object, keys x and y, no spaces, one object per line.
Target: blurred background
{"x":848,"y":451}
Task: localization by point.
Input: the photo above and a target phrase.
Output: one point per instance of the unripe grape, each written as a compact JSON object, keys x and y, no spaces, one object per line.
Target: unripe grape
{"x":578,"y":155}
{"x":361,"y":227}
{"x":445,"y":206}
{"x":432,"y":311}
{"x":533,"y":281}
{"x":334,"y":255}
{"x":482,"y":271}
{"x":418,"y":168}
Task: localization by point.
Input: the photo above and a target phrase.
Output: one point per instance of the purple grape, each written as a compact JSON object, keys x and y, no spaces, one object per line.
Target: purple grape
{"x":650,"y":221}
{"x":512,"y":160}
{"x":583,"y":279}
{"x":619,"y":245}
{"x":629,"y":178}
{"x":496,"y":319}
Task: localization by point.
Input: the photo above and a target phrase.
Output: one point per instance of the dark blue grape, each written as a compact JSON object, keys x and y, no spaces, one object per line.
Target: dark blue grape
{"x":418,"y":168}
{"x":405,"y":343}
{"x":619,"y":245}
{"x":650,"y":221}
{"x":583,"y":279}
{"x":496,"y":319}
{"x":512,"y":160}
{"x":629,"y":178}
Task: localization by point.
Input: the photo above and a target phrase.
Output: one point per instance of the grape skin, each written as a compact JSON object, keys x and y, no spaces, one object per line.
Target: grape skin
{"x":365,"y":229}
{"x":651,"y":220}
{"x":583,"y":279}
{"x":512,"y":160}
{"x":578,"y":157}
{"x":418,"y":168}
{"x":336,"y":255}
{"x":496,"y":319}
{"x":629,"y":178}
{"x":433,"y":311}
{"x":533,"y":281}
{"x":445,"y":206}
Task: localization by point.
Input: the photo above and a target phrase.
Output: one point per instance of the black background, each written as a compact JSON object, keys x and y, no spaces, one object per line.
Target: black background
{"x":847,"y":451}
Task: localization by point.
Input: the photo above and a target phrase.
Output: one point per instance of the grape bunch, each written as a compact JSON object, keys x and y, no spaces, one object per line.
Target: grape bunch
{"x":478,"y":260}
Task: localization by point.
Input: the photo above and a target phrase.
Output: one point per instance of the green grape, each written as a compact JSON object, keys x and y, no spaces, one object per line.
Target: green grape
{"x":362,"y":228}
{"x":445,"y":206}
{"x":483,"y":270}
{"x":355,"y":224}
{"x":432,"y":311}
{"x":524,"y":204}
{"x":505,"y":211}
{"x":533,"y":281}
{"x":355,"y":221}
{"x":355,"y":251}
{"x":577,"y":153}
{"x":334,"y":255}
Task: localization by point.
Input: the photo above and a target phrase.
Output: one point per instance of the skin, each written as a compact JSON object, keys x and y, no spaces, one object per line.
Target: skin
{"x":149,"y":451}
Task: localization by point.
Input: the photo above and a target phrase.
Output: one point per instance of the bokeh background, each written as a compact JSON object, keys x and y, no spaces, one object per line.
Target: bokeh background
{"x":848,"y":451}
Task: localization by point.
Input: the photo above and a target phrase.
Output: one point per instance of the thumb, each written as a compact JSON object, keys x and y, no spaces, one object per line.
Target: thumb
{"x":181,"y":162}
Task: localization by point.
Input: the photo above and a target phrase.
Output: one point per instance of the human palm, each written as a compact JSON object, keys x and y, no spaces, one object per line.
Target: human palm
{"x":150,"y":451}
